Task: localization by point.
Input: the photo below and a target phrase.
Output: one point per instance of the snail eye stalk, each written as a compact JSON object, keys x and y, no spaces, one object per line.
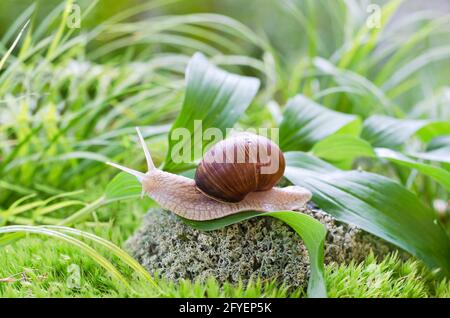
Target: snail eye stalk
{"x":148,"y":157}
{"x":139,"y":175}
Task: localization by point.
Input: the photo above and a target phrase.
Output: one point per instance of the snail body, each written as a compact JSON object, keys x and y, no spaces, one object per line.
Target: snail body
{"x":194,"y":199}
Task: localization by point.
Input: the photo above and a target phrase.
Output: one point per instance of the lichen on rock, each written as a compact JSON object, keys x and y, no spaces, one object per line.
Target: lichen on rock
{"x":263,"y":248}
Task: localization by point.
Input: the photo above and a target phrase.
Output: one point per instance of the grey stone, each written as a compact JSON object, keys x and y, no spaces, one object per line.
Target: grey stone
{"x":260,"y":247}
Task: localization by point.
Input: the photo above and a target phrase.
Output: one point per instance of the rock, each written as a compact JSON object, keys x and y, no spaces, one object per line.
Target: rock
{"x":260,"y":247}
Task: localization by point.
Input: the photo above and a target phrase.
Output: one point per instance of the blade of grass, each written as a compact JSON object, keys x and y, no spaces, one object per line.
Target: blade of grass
{"x":12,"y":47}
{"x":77,"y":243}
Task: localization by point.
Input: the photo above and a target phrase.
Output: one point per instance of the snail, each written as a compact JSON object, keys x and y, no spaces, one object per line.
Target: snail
{"x":222,"y":186}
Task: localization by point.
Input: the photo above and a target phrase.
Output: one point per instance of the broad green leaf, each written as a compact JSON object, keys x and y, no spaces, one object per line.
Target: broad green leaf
{"x":437,"y":150}
{"x":376,"y":204}
{"x":438,"y":143}
{"x":222,"y":222}
{"x":339,"y":149}
{"x":389,"y":132}
{"x":309,"y":229}
{"x":213,"y":96}
{"x":440,"y":155}
{"x":434,"y":129}
{"x":440,"y":175}
{"x":306,"y":122}
{"x":122,"y":186}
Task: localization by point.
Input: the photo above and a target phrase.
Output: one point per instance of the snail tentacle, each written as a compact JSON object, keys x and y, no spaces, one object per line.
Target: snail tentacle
{"x":148,"y":157}
{"x":139,"y":175}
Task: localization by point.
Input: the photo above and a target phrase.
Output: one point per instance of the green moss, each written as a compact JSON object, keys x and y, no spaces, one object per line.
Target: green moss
{"x":45,"y":263}
{"x":392,"y":277}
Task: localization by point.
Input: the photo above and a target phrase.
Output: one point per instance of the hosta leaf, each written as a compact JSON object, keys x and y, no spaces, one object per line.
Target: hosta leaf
{"x":309,"y":229}
{"x":440,"y":155}
{"x":306,"y":122}
{"x":214,"y":96}
{"x":437,"y":150}
{"x":376,"y":204}
{"x":440,"y":175}
{"x":122,"y":186}
{"x":339,"y":149}
{"x":434,"y":129}
{"x":438,"y":143}
{"x":389,"y":132}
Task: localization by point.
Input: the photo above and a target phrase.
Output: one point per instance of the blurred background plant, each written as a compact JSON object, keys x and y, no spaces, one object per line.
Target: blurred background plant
{"x":70,"y":97}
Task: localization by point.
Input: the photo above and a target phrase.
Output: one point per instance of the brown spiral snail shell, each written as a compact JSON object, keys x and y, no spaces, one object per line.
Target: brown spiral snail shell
{"x":236,"y":166}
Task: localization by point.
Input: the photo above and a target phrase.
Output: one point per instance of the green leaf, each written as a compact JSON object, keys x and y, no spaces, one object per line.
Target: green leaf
{"x":122,"y":186}
{"x":440,"y":175}
{"x":440,"y":155}
{"x":11,"y":49}
{"x":213,"y":96}
{"x":306,"y":122}
{"x":339,"y":149}
{"x":370,"y":95}
{"x":376,"y":204}
{"x":437,"y":150}
{"x":438,"y":143}
{"x":389,"y":132}
{"x":434,"y":129}
{"x":402,"y":73}
{"x":309,"y":229}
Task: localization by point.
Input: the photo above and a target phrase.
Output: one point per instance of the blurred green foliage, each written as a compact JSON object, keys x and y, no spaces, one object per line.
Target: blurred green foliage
{"x":70,"y":97}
